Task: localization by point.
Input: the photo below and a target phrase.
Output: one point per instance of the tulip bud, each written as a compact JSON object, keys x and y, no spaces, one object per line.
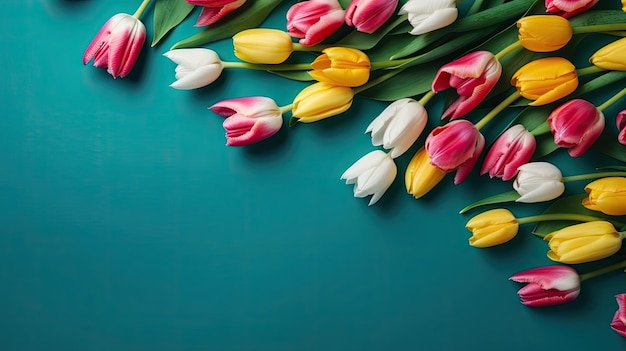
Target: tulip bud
{"x":342,"y":67}
{"x":321,"y":100}
{"x":427,"y":16}
{"x":545,"y":80}
{"x":584,"y":242}
{"x":262,"y":45}
{"x":569,"y":8}
{"x":398,"y":126}
{"x":421,"y":176}
{"x":576,"y":125}
{"x":538,"y":181}
{"x":544,"y":33}
{"x":512,"y":149}
{"x":368,"y":15}
{"x":607,"y":195}
{"x":214,"y":10}
{"x":372,"y":175}
{"x":620,"y":120}
{"x":314,"y":20}
{"x":619,"y":319}
{"x":249,"y":119}
{"x":491,"y":228}
{"x":550,"y":285}
{"x":196,"y":68}
{"x":611,"y":56}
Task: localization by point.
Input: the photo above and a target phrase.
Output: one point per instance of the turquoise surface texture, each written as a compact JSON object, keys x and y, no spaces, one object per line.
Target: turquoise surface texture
{"x":127,"y":224}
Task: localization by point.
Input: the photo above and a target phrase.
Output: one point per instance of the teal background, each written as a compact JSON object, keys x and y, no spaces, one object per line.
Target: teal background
{"x":127,"y":224}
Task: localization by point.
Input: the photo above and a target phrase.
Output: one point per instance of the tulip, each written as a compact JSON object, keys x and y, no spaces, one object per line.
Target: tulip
{"x":315,"y":20}
{"x":473,"y":76}
{"x":341,"y":66}
{"x":607,"y":195}
{"x":117,"y":45}
{"x":569,"y":8}
{"x":249,"y":120}
{"x":584,"y":242}
{"x":421,"y":176}
{"x":372,"y":175}
{"x":544,"y":33}
{"x":368,"y":15}
{"x":398,"y":126}
{"x":550,"y":285}
{"x":538,"y":181}
{"x":455,"y":146}
{"x":576,"y":125}
{"x":262,"y":45}
{"x":321,"y":100}
{"x":611,"y":56}
{"x":624,"y":5}
{"x":619,"y":319}
{"x":214,"y":10}
{"x":512,"y":149}
{"x":545,"y":80}
{"x":492,"y":228}
{"x":427,"y":16}
{"x":620,"y":120}
{"x":196,"y":68}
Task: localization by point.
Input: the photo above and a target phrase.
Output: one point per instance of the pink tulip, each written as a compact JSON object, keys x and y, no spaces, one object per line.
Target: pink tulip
{"x":621,"y":126}
{"x":576,"y":125}
{"x":569,"y":8}
{"x":473,"y":76}
{"x":117,"y":45}
{"x":619,"y":319}
{"x":315,"y":20}
{"x":249,"y":119}
{"x":455,"y":146}
{"x":368,"y":15}
{"x":550,"y":285}
{"x":512,"y":149}
{"x":214,"y":10}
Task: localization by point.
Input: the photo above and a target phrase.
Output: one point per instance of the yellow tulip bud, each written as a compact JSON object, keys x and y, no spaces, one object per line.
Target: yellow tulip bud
{"x":546,"y":80}
{"x":611,"y":56}
{"x":321,"y":100}
{"x":341,"y":66}
{"x":607,"y":195}
{"x":421,"y":176}
{"x":584,"y":242}
{"x":492,"y":228}
{"x":544,"y":33}
{"x":262,"y":45}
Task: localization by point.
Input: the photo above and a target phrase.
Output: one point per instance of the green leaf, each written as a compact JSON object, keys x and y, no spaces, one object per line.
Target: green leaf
{"x":545,"y":145}
{"x":364,"y":41}
{"x":167,"y":15}
{"x":412,"y":81}
{"x":618,"y":168}
{"x":302,"y":76}
{"x":607,"y":144}
{"x":250,"y":15}
{"x":495,"y":199}
{"x":598,"y":17}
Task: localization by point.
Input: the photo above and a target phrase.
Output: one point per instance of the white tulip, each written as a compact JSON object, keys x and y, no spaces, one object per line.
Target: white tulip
{"x":427,"y":16}
{"x":197,"y":67}
{"x":398,"y":126}
{"x":372,"y":175}
{"x":538,"y":181}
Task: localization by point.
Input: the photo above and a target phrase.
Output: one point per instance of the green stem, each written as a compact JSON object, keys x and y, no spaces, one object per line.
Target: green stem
{"x":599,"y":28}
{"x":604,"y":270}
{"x":390,"y":63}
{"x":285,"y":108}
{"x":612,"y":100}
{"x":141,"y":8}
{"x":592,"y":176}
{"x":501,"y":106}
{"x":269,"y":67}
{"x":543,"y":128}
{"x":317,"y":48}
{"x":424,"y":100}
{"x":559,"y":217}
{"x":475,"y":7}
{"x":588,"y":70}
{"x":507,"y":50}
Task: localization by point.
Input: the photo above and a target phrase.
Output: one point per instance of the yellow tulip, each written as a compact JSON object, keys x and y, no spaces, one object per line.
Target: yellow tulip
{"x":421,"y":176}
{"x":341,"y":66}
{"x":492,"y":228}
{"x":262,"y":45}
{"x":584,"y":242}
{"x":321,"y":100}
{"x":607,"y":195}
{"x":611,"y":56}
{"x":544,"y":33}
{"x":545,"y":80}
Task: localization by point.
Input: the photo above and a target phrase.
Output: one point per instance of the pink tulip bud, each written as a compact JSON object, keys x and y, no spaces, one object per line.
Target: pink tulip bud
{"x":576,"y":125}
{"x":368,"y":15}
{"x":619,"y":319}
{"x":455,"y":146}
{"x":621,"y":126}
{"x":315,"y":20}
{"x":511,"y":150}
{"x":249,"y":120}
{"x":569,"y":8}
{"x":117,"y":45}
{"x":473,"y":76}
{"x":214,"y":10}
{"x":550,"y":285}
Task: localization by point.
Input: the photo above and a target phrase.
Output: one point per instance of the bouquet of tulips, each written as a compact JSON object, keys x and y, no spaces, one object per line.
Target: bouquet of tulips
{"x":494,"y":55}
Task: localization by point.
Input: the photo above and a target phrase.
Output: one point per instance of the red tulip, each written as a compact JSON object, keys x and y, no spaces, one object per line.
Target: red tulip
{"x":621,"y":126}
{"x":619,"y":319}
{"x":550,"y":285}
{"x":249,"y":120}
{"x":214,"y":10}
{"x":576,"y":125}
{"x":513,"y":148}
{"x":368,"y":15}
{"x":569,"y":8}
{"x":315,"y":20}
